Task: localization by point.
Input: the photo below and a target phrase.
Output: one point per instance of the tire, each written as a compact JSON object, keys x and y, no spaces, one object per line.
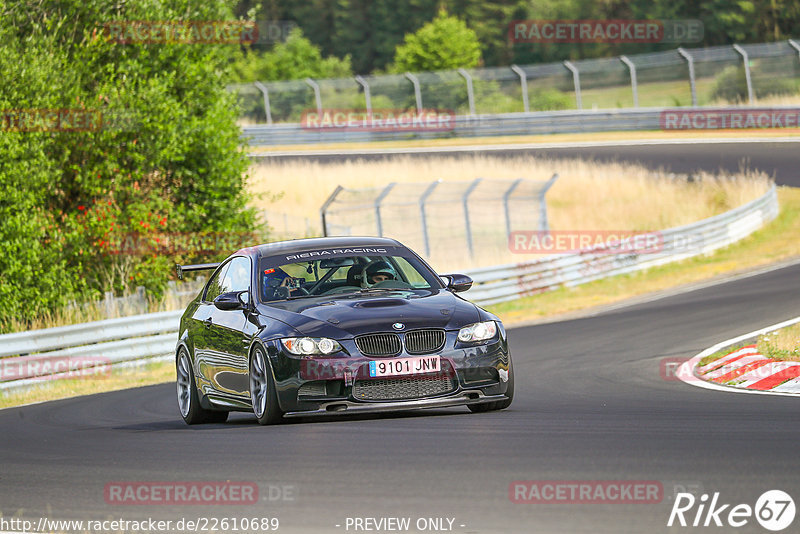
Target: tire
{"x":188,"y":400}
{"x":497,"y":405}
{"x":263,"y":394}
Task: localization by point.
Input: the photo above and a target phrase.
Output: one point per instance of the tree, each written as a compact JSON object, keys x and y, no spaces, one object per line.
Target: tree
{"x":162,"y":158}
{"x":444,"y":43}
{"x":295,"y":59}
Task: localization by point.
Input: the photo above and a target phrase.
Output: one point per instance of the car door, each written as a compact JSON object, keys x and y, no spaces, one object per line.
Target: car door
{"x":201,"y":333}
{"x":231,"y":333}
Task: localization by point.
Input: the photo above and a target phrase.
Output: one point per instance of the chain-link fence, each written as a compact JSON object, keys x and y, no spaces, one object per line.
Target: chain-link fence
{"x":682,"y":77}
{"x":443,"y":220}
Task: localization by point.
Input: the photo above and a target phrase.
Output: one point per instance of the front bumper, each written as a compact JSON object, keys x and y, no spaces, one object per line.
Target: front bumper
{"x":462,"y":398}
{"x":331,"y":385}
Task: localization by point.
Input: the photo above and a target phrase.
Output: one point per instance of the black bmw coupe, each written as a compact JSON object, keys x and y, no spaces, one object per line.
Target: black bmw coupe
{"x":335,"y":325}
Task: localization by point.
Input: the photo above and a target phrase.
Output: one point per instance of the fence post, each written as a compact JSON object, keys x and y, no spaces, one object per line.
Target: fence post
{"x":141,"y":300}
{"x":746,"y":61}
{"x":634,"y":84}
{"x":544,"y":224}
{"x":576,"y":80}
{"x":465,"y":202}
{"x":470,"y":92}
{"x":263,"y":88}
{"x":378,"y":201}
{"x":317,"y":95}
{"x":325,"y":207}
{"x":417,"y":93}
{"x":506,"y":195}
{"x":367,"y":98}
{"x":794,"y":44}
{"x":690,"y":62}
{"x":422,"y":200}
{"x":523,"y":80}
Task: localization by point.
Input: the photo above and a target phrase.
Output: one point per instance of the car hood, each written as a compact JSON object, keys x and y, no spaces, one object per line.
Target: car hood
{"x":344,"y":316}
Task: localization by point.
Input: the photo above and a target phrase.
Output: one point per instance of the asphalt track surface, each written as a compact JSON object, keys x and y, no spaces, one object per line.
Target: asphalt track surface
{"x":591,"y":404}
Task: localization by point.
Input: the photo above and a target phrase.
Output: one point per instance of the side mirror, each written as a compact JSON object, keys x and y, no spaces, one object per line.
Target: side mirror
{"x":232,"y":300}
{"x":458,"y":282}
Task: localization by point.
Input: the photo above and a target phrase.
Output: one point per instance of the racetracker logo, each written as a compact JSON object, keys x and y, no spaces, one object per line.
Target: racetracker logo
{"x":774,"y":510}
{"x":379,"y":120}
{"x":586,"y":491}
{"x":51,"y":120}
{"x":180,"y":32}
{"x":54,"y":368}
{"x":181,"y":493}
{"x":605,"y":31}
{"x":729,"y":119}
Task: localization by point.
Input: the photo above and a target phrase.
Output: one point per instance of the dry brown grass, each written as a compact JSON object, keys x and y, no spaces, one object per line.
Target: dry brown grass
{"x":588,"y":195}
{"x":783,"y":344}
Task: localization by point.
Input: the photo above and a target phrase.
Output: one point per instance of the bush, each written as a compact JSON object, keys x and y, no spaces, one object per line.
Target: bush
{"x":731,"y":85}
{"x":165,"y":159}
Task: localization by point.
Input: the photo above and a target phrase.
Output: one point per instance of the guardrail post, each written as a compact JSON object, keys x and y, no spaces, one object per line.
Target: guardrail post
{"x":324,"y":209}
{"x":470,"y":92}
{"x":465,"y":203}
{"x":417,"y":93}
{"x":746,"y":61}
{"x":378,"y":201}
{"x":422,"y":200}
{"x":523,"y":80}
{"x":634,"y":84}
{"x":692,"y":84}
{"x":317,"y":95}
{"x":506,"y":195}
{"x":576,"y":81}
{"x":367,"y":98}
{"x":794,"y":44}
{"x":263,"y":88}
{"x":544,"y":223}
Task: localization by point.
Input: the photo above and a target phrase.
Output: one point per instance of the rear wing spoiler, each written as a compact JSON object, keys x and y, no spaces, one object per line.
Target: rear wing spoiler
{"x":180,"y":269}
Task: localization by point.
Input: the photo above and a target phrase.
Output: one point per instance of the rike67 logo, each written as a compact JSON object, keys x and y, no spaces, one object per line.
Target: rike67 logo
{"x":774,"y":510}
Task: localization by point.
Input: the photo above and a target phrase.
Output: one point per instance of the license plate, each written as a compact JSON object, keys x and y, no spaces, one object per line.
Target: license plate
{"x":405,"y":366}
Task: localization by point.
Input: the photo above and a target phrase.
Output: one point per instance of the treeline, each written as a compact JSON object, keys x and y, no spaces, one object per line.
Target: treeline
{"x":369,"y":31}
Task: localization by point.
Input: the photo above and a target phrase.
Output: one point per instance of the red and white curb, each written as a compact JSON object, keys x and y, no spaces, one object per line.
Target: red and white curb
{"x":744,"y":370}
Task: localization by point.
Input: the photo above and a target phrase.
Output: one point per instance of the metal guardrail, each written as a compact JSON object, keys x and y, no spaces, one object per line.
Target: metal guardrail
{"x":512,"y":281}
{"x":536,"y":123}
{"x":27,"y":358}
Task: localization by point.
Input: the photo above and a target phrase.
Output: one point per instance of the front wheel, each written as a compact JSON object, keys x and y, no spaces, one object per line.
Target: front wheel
{"x":262,"y":391}
{"x":188,"y":400}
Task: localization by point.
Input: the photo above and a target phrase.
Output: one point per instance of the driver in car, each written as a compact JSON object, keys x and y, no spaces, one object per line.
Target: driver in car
{"x":380,"y":271}
{"x":278,"y":278}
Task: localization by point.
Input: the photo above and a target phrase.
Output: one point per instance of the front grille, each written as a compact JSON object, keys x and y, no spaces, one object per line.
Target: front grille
{"x":379,"y":344}
{"x":404,"y":388}
{"x":424,"y":341}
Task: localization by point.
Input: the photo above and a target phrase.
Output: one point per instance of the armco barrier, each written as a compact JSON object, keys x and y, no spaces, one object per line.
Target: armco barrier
{"x":154,"y":336}
{"x":534,"y":123}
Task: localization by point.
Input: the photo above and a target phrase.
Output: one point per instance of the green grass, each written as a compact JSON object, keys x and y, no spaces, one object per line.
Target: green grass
{"x":783,"y":344}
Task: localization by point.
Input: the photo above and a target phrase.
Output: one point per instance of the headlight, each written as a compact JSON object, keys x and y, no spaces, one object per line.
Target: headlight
{"x":478,"y":331}
{"x":311,"y":345}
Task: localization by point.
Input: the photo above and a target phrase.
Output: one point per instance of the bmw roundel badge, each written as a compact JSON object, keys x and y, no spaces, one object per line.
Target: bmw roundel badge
{"x":398,"y":326}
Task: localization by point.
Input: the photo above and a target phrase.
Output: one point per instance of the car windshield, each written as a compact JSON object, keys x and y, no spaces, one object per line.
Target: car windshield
{"x":341,"y":275}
